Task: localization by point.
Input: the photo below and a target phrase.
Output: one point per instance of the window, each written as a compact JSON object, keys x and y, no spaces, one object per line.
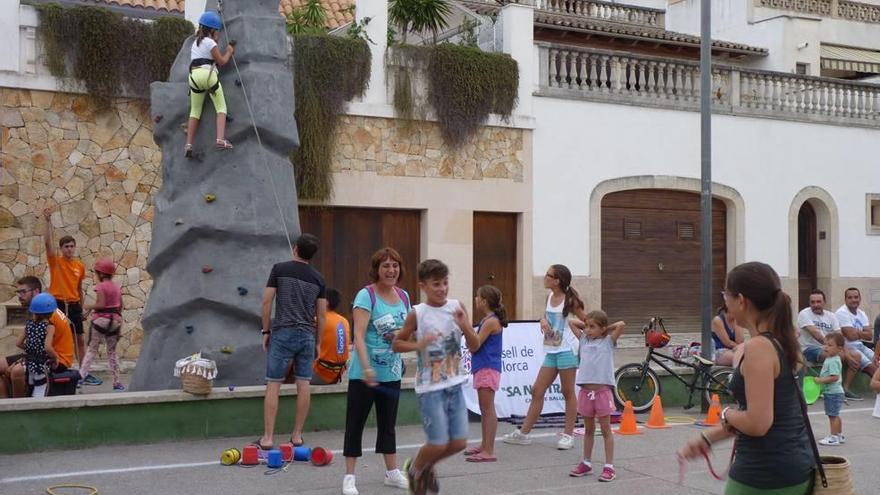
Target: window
{"x":872,"y":213}
{"x":802,"y":69}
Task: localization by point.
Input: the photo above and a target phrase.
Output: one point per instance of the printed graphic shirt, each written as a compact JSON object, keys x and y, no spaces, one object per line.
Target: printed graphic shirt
{"x":832,"y":366}
{"x":825,"y":323}
{"x":846,"y":319}
{"x":299,"y":286}
{"x":385,"y":320}
{"x":560,"y":338}
{"x":439,"y":365}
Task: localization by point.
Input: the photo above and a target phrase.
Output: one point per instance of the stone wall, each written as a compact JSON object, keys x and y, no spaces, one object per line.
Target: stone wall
{"x":416,"y":149}
{"x":99,"y":169}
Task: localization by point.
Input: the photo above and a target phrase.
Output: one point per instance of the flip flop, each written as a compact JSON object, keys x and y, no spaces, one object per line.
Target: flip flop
{"x":261,"y":446}
{"x":473,"y":451}
{"x":300,"y":444}
{"x":481,"y":457}
{"x":223,"y":144}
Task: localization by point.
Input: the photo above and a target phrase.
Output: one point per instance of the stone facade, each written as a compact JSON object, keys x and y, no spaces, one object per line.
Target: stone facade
{"x":99,"y":169}
{"x":416,"y":149}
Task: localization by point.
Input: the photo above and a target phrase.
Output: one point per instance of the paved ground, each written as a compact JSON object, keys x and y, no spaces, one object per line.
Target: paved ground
{"x":645,"y":463}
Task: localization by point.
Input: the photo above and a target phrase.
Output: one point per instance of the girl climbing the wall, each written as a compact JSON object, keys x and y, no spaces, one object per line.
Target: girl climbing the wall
{"x":204,"y":78}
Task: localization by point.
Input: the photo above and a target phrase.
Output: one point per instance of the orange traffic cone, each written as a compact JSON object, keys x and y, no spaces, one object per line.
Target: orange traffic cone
{"x":628,"y":421}
{"x":657,"y":419}
{"x":713,"y":416}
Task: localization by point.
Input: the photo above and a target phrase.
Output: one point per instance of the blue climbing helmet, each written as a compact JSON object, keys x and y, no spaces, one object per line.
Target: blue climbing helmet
{"x":43,"y":304}
{"x":211,"y":19}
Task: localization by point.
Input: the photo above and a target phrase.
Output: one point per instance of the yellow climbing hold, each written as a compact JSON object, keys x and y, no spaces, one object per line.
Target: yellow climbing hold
{"x":226,"y":349}
{"x":210,"y":198}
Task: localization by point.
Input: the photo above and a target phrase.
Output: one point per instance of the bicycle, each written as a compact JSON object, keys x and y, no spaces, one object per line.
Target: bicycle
{"x":639,"y":384}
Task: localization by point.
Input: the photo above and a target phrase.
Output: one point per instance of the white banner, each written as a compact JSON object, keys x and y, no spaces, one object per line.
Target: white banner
{"x":521,"y":356}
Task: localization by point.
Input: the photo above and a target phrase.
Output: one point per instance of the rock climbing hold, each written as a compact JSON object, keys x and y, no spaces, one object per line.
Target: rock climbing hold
{"x":232,"y":42}
{"x":190,"y":329}
{"x":210,"y":198}
{"x":179,"y":221}
{"x":242,"y":291}
{"x":238,"y":82}
{"x":207,"y":269}
{"x":157,"y":118}
{"x":231,"y":388}
{"x":229,"y":118}
{"x":226,"y":349}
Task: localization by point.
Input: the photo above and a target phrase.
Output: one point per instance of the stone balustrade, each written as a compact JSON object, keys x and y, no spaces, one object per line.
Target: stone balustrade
{"x":600,"y":75}
{"x":605,"y":11}
{"x":843,"y":9}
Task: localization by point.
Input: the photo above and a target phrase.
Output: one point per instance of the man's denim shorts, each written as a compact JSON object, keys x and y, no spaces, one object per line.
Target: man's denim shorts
{"x":286,"y":344}
{"x":444,"y":415}
{"x":833,"y":402}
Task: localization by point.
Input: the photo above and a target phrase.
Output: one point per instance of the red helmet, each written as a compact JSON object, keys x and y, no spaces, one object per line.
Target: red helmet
{"x":105,"y":266}
{"x":656,"y":338}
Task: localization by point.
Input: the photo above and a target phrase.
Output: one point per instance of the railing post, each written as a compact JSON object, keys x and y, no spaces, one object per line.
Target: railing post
{"x":544,"y":66}
{"x":735,"y":89}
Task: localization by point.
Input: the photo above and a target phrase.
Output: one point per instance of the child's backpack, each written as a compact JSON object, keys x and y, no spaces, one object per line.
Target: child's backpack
{"x":333,"y":353}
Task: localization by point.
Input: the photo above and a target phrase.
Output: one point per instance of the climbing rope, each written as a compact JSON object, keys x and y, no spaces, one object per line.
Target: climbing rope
{"x":256,"y":130}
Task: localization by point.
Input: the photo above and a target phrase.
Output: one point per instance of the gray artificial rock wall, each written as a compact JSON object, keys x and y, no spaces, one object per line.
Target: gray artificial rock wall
{"x":239,"y":235}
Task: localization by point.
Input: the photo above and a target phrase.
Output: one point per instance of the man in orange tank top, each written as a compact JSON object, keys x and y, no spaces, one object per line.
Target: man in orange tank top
{"x":66,"y":275}
{"x":12,"y":373}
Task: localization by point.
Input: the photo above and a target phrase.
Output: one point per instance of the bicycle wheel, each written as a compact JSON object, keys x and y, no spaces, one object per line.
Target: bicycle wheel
{"x":719,"y":384}
{"x":638,"y":384}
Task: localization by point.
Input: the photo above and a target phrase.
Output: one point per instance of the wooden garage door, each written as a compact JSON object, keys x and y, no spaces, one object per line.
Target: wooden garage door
{"x":350,"y":236}
{"x":495,"y":255}
{"x":651,"y":257}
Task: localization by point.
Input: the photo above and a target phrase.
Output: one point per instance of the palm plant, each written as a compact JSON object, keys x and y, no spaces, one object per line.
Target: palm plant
{"x":310,"y":18}
{"x":419,"y":16}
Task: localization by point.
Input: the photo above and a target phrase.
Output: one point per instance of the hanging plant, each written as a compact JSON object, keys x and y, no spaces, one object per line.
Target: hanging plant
{"x":328,"y":71}
{"x":107,"y":52}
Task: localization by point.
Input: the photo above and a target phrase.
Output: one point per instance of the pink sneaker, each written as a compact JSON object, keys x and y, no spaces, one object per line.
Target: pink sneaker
{"x":581,"y":470}
{"x":607,"y":474}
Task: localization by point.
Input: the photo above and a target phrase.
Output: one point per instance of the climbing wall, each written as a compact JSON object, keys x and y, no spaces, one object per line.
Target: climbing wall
{"x":218,"y":229}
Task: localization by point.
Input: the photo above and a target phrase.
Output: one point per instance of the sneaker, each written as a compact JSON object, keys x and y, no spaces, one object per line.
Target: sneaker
{"x":581,"y":470}
{"x":841,"y":438}
{"x":830,"y":440}
{"x":852,"y":395}
{"x":348,"y":487}
{"x":395,"y":479}
{"x":91,"y":379}
{"x":565,"y":442}
{"x":517,"y":437}
{"x":118,"y":387}
{"x":607,"y":474}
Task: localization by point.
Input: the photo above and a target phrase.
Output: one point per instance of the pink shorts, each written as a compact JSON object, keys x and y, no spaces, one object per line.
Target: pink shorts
{"x":487,"y":378}
{"x":596,"y":403}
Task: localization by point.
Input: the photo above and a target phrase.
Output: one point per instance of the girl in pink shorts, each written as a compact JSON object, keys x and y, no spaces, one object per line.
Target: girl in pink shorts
{"x":485,"y":347}
{"x":595,"y":377}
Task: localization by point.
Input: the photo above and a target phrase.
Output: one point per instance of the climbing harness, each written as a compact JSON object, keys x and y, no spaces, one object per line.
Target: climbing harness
{"x":193,"y":85}
{"x":256,"y":130}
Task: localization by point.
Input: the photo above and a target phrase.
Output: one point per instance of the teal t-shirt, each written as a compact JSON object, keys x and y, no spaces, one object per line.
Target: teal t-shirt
{"x":832,"y":366}
{"x":385,"y":319}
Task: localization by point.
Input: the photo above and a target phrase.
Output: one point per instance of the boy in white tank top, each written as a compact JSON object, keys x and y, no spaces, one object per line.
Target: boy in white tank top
{"x":434,"y":329}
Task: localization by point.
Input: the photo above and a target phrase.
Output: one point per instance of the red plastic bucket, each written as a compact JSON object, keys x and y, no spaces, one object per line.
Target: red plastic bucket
{"x":321,"y":456}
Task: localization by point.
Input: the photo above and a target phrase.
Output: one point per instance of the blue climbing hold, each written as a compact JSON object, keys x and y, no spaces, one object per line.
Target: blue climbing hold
{"x":242,"y":291}
{"x":190,"y":329}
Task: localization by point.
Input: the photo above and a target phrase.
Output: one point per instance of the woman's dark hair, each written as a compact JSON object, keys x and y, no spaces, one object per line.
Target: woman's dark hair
{"x":202,"y":33}
{"x":721,"y":309}
{"x":432,"y":270}
{"x":572,"y":298}
{"x":493,"y":298}
{"x":380,"y":256}
{"x":306,"y":246}
{"x":333,"y":297}
{"x":759,"y":283}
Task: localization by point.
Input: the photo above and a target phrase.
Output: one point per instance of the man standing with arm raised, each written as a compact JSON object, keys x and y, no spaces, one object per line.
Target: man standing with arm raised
{"x":298,"y":291}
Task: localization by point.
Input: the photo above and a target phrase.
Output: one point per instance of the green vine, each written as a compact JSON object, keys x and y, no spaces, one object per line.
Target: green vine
{"x":465,"y":85}
{"x":107,"y":52}
{"x":328,"y":71}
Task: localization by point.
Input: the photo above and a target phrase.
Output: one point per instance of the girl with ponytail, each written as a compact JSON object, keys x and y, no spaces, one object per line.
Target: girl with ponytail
{"x":485,"y":347}
{"x":768,"y":424}
{"x":562,"y":326}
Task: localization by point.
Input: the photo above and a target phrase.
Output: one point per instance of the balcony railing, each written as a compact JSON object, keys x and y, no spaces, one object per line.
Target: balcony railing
{"x":600,"y":75}
{"x":843,"y":9}
{"x":605,"y":11}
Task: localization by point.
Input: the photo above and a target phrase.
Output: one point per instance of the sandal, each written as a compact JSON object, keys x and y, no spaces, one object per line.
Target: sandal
{"x":188,"y":151}
{"x":481,"y":457}
{"x":261,"y":446}
{"x":300,"y":444}
{"x":473,"y":450}
{"x":223,"y":144}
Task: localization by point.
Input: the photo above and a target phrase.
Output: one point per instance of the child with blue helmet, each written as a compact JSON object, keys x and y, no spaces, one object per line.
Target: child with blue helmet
{"x":204,"y":78}
{"x":36,"y":341}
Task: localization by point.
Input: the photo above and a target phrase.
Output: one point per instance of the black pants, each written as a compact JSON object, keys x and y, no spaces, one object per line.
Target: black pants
{"x":74,"y":312}
{"x":360,"y":400}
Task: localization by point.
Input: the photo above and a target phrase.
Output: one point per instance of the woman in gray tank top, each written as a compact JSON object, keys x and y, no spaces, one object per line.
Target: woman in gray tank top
{"x":772,"y":450}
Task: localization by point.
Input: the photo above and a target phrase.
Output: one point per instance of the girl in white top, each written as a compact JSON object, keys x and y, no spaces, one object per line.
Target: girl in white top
{"x":562,"y":326}
{"x":205,"y":57}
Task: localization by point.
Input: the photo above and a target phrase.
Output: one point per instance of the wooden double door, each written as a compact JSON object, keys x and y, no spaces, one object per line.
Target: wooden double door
{"x":651,"y":257}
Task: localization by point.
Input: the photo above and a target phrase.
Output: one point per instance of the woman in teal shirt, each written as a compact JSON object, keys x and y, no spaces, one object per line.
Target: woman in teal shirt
{"x":374,"y":375}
